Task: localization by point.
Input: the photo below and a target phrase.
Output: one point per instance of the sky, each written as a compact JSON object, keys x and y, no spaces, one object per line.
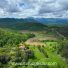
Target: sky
{"x":34,"y":8}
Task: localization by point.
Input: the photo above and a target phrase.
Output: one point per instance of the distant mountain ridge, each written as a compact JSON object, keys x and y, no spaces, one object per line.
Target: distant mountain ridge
{"x":53,"y":21}
{"x":46,"y":21}
{"x":17,"y":20}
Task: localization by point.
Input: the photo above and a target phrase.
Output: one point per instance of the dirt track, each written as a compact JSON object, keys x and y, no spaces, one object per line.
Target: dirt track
{"x":37,"y":40}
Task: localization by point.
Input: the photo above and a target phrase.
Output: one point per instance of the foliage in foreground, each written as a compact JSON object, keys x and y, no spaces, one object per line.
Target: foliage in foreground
{"x":12,"y":38}
{"x":11,"y":55}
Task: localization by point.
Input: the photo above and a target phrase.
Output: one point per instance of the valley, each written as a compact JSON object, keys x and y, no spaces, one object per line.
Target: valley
{"x":32,"y":45}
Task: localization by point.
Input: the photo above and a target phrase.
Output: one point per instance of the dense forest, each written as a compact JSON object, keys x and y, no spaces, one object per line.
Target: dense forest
{"x":9,"y":42}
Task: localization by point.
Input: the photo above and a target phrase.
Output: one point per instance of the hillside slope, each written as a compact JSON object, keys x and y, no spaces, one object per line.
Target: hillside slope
{"x":21,"y":24}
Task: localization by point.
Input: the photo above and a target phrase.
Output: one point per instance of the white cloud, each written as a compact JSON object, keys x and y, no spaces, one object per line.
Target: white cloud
{"x":34,"y":8}
{"x":1,"y":12}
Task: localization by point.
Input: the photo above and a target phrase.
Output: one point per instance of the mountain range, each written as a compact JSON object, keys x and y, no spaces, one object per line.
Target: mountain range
{"x":46,"y":21}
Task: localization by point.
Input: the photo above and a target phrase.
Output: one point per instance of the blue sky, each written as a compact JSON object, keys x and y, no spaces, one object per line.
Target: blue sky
{"x":34,"y":8}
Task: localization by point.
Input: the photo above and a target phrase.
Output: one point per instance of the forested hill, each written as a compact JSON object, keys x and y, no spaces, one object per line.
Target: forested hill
{"x":12,"y":38}
{"x":34,"y":25}
{"x":21,"y":24}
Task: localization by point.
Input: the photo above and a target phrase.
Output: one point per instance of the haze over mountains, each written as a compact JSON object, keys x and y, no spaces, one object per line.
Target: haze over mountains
{"x":46,"y":21}
{"x":53,"y":21}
